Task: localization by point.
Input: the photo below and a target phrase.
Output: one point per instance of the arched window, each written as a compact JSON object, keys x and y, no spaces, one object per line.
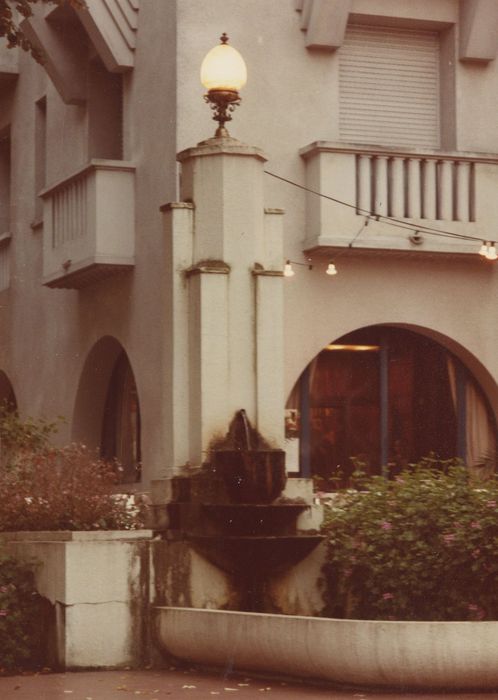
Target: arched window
{"x":387,"y":397}
{"x":121,"y":421}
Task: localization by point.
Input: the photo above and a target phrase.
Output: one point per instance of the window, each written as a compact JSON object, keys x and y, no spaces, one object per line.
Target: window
{"x":40,"y":154}
{"x":5,"y":224}
{"x":121,"y":423}
{"x":389,"y":87}
{"x":4,"y":183}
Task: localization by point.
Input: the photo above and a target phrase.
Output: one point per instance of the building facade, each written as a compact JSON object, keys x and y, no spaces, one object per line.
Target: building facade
{"x":142,"y":294}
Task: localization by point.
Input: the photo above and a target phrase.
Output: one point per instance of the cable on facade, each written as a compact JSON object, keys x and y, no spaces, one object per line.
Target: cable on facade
{"x":388,"y":220}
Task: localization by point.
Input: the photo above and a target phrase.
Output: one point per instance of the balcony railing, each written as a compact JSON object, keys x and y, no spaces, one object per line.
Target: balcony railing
{"x":448,"y":192}
{"x":89,"y":225}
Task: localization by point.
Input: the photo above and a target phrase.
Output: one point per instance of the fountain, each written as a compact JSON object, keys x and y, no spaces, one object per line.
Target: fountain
{"x":249,"y":529}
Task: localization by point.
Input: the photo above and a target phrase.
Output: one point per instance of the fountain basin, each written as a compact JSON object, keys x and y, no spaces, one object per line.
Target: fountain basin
{"x":441,"y":655}
{"x":254,"y":556}
{"x":251,"y":476}
{"x":254,"y":518}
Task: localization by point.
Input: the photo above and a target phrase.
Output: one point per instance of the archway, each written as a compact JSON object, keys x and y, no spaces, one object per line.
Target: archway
{"x":7,"y":396}
{"x":385,"y":397}
{"x":107,"y":410}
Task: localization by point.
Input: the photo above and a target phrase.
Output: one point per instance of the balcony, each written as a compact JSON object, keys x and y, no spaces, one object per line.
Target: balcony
{"x":449,"y":192}
{"x":89,"y":225}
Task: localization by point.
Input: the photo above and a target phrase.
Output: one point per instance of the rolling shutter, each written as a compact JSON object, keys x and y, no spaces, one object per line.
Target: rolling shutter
{"x":389,"y":87}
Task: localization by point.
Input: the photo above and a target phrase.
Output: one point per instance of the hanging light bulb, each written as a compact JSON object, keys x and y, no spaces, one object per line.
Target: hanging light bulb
{"x":288,"y":271}
{"x":331,"y":269}
{"x":483,"y":250}
{"x":491,"y":254}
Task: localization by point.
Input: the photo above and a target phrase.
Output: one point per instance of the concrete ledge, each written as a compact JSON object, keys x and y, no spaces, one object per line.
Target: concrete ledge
{"x":373,"y":653}
{"x":76,"y":535}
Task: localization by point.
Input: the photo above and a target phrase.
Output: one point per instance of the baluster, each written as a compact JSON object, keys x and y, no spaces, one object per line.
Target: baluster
{"x":74,"y":198}
{"x":57,"y":225}
{"x":69,"y":200}
{"x":83,"y":206}
{"x":445,"y":203}
{"x":397,"y":187}
{"x":70,"y":210}
{"x":414,"y":189}
{"x":74,"y":190}
{"x":380,"y":185}
{"x":60,"y":216}
{"x":364,"y":198}
{"x":429,"y":210}
{"x":64,"y":215}
{"x":74,"y":209}
{"x":54,"y":218}
{"x":463,"y":191}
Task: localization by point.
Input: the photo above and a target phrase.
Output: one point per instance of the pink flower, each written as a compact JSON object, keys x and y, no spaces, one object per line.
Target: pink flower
{"x":3,"y":589}
{"x":491,"y":504}
{"x":3,"y":612}
{"x":386,"y":525}
{"x":448,"y":538}
{"x":387,"y":596}
{"x":475,"y":525}
{"x":348,"y":572}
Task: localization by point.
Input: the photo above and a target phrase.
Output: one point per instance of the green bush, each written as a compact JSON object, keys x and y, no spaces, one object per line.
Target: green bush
{"x":17,"y":435}
{"x":19,"y":616}
{"x":421,"y":547}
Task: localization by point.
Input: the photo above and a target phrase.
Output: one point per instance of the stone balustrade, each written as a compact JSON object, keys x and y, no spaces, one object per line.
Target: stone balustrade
{"x":449,"y":192}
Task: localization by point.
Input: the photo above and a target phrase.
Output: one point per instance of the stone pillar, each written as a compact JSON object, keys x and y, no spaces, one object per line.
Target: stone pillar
{"x":178,"y":221}
{"x":226,"y":303}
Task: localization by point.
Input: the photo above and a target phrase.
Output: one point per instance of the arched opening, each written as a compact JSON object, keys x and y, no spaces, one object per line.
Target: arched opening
{"x":121,"y":422}
{"x":385,"y":397}
{"x":107,"y":409}
{"x":7,"y":396}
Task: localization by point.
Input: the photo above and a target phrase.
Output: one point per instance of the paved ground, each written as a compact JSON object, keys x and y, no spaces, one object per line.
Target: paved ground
{"x":185,"y":684}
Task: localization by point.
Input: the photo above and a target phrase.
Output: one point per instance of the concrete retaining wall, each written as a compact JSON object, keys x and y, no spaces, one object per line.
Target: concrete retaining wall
{"x":98,"y":585}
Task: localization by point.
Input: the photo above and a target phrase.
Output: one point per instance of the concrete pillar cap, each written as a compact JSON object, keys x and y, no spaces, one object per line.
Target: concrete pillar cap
{"x":224,"y":145}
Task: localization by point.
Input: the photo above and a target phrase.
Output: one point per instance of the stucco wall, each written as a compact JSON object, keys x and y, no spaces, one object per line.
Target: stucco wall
{"x":291,"y":99}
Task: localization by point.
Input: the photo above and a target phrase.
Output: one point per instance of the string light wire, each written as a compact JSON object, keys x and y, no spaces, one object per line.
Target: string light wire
{"x":388,"y":220}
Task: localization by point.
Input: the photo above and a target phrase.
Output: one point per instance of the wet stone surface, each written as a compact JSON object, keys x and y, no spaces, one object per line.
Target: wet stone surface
{"x":173,"y":683}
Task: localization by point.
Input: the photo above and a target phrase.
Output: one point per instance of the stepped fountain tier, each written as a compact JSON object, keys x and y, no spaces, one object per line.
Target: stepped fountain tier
{"x":250,"y":531}
{"x":250,"y":469}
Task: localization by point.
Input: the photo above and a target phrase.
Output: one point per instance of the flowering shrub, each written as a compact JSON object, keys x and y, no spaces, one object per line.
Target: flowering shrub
{"x":421,"y":547}
{"x":19,"y":615}
{"x":65,"y":488}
